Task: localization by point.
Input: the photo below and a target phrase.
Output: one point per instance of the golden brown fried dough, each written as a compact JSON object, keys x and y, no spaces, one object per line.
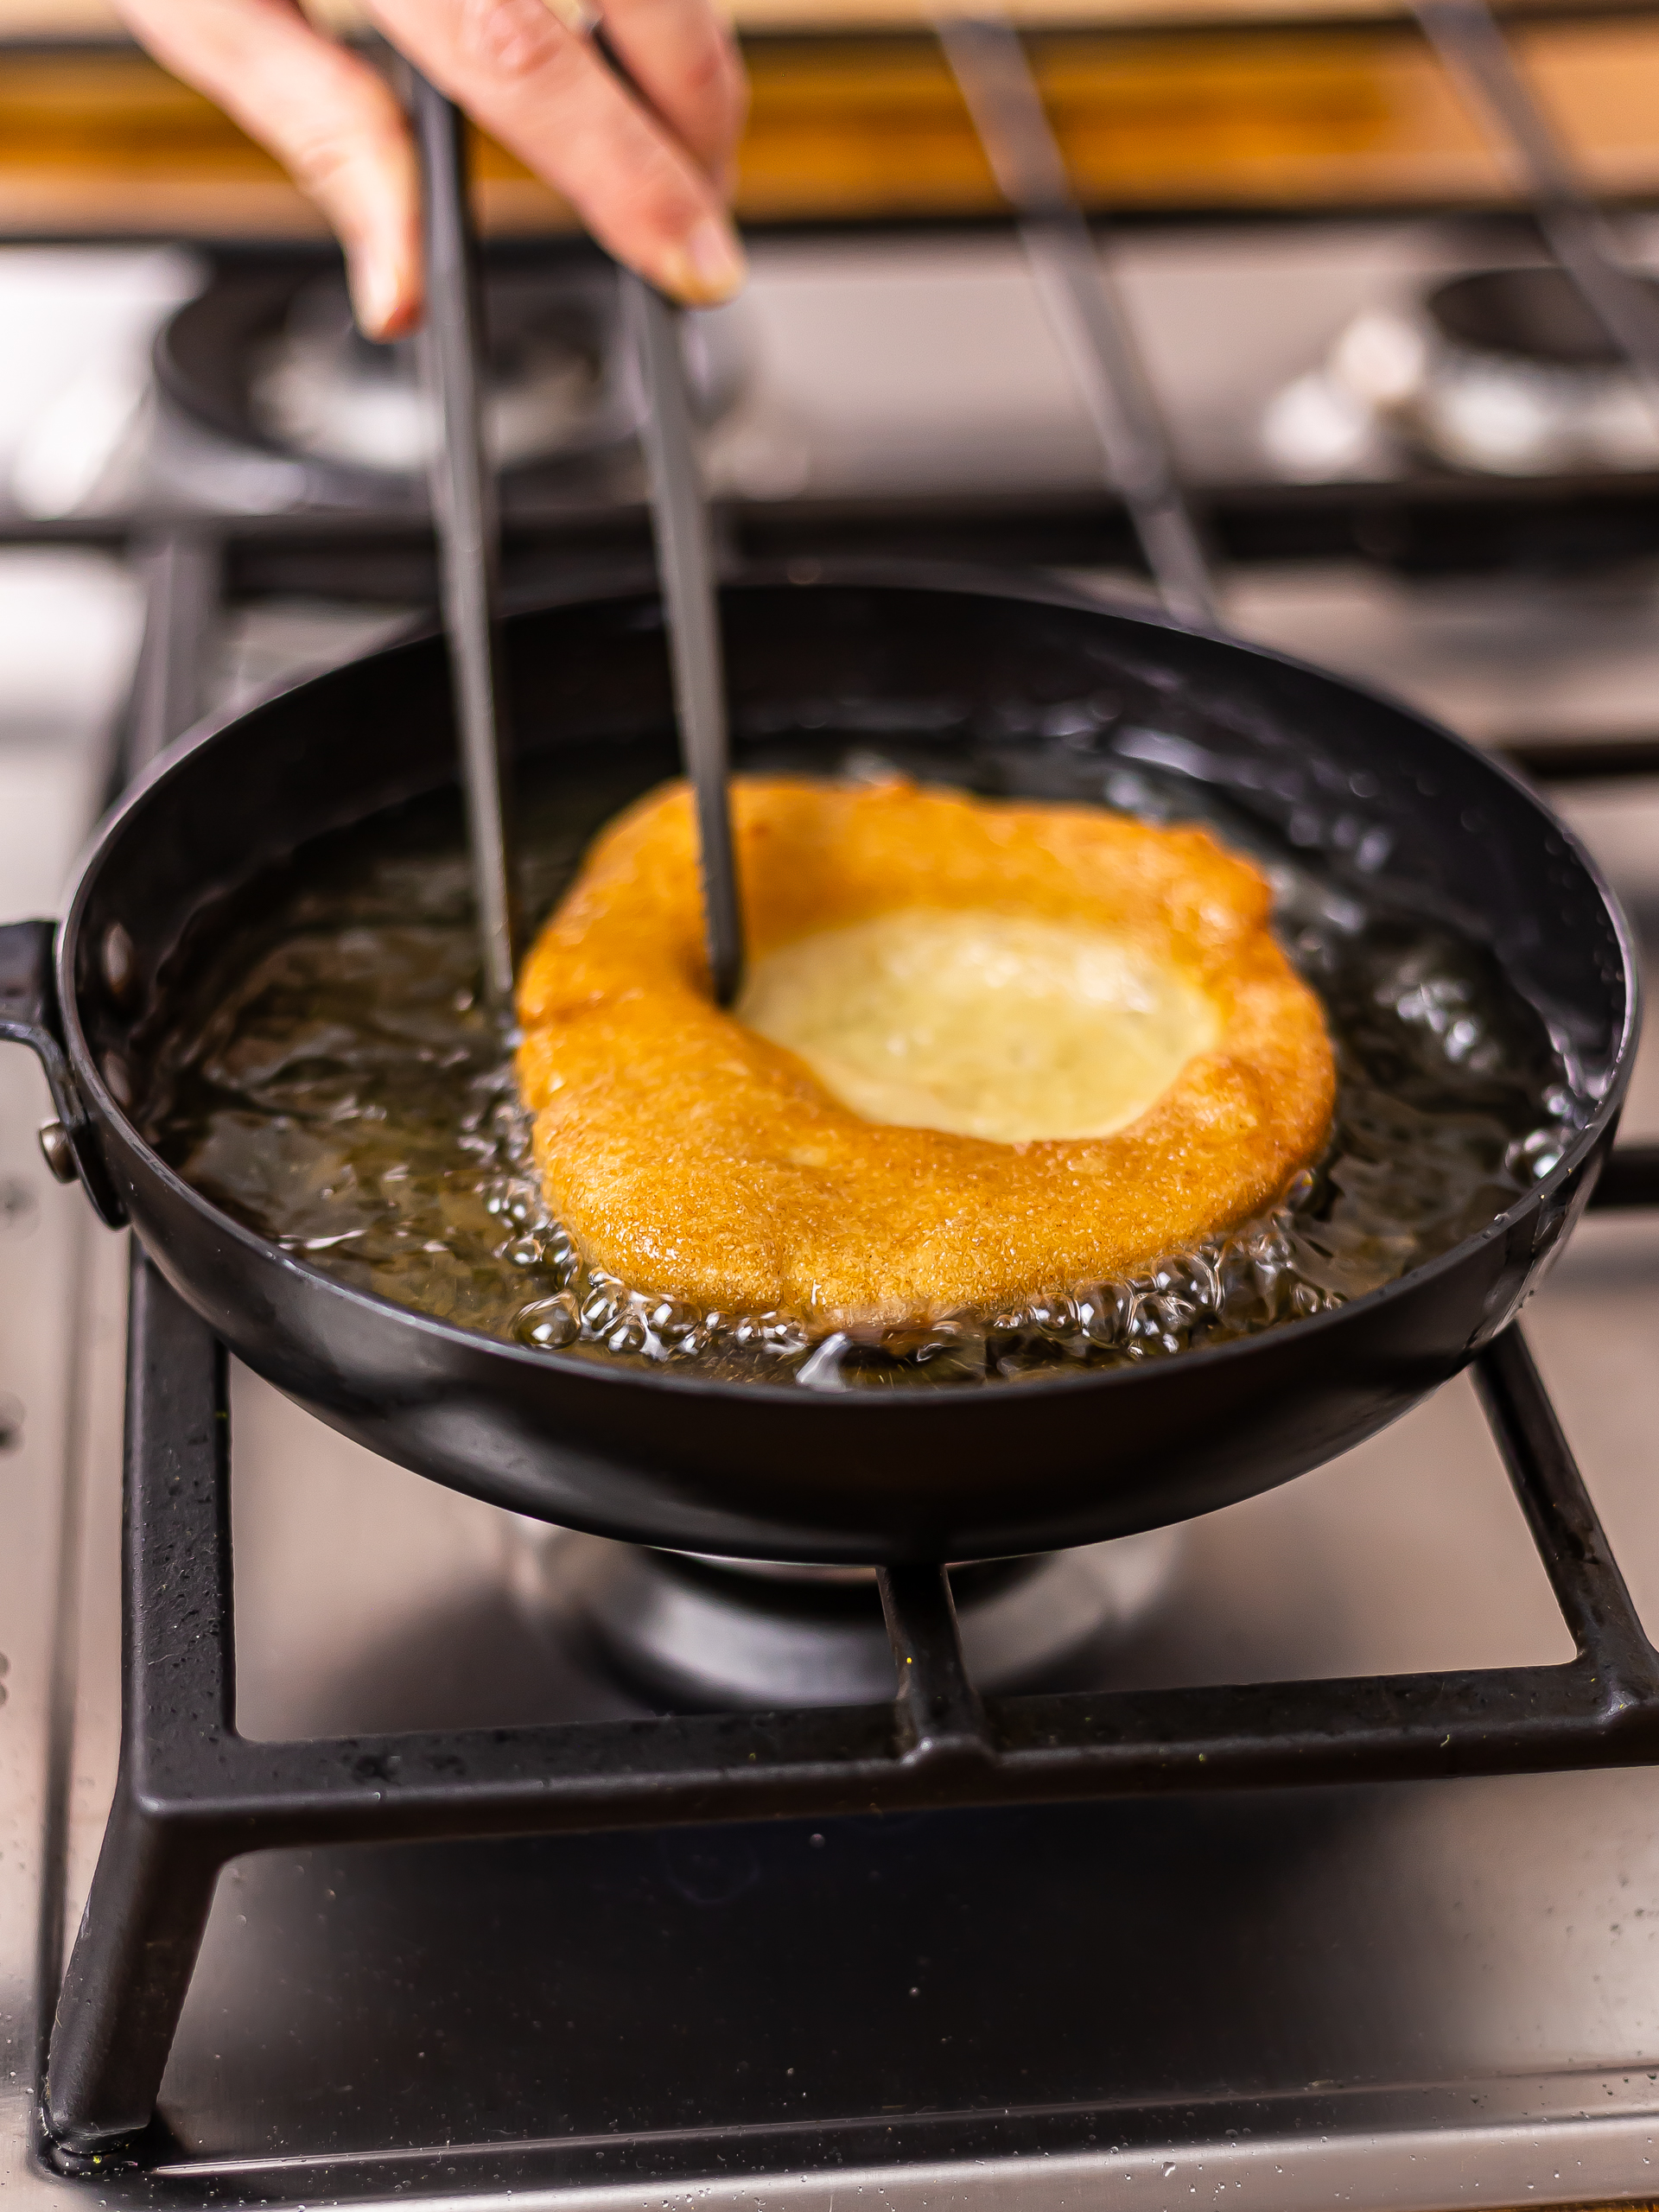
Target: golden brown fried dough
{"x":689,"y":1154}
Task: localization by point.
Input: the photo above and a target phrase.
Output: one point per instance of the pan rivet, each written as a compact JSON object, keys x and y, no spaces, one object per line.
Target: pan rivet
{"x":120,"y":963}
{"x":57,"y":1151}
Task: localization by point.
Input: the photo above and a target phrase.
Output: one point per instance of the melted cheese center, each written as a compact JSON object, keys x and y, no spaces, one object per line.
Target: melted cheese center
{"x":982,"y":1023}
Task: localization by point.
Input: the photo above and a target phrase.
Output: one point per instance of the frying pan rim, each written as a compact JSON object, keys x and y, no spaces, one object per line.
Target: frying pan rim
{"x":935,"y":578}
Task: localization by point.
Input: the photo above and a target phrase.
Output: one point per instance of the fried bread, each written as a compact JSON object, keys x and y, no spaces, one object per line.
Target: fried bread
{"x":985,"y":1050}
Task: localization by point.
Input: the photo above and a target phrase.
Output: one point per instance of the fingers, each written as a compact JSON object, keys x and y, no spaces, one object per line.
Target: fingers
{"x":685,"y":62}
{"x":641,"y":181}
{"x":647,"y":173}
{"x":334,"y":124}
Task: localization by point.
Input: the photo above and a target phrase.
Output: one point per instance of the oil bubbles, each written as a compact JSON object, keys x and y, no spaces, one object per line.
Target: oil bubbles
{"x":338,"y":1087}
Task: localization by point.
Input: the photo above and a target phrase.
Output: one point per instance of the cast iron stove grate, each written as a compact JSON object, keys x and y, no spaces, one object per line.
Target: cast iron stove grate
{"x":192,"y":1794}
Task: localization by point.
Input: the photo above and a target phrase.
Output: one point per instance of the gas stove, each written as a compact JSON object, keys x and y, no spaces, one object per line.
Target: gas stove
{"x":888,"y":391}
{"x":1400,"y":1991}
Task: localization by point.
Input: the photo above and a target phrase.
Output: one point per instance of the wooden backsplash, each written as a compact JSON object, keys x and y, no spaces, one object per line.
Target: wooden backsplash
{"x":96,"y":139}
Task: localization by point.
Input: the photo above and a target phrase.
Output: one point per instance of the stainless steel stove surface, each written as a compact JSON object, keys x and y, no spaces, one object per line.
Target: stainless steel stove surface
{"x":1414,"y":1995}
{"x":903,"y":388}
{"x":1423,"y":1995}
{"x":862,"y":367}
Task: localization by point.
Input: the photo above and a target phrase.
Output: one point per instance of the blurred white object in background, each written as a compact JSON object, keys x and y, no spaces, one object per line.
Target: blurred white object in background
{"x":69,"y":626}
{"x":75,"y":331}
{"x":1332,"y":421}
{"x":1504,"y":371}
{"x":70,"y":622}
{"x":1382,"y":358}
{"x":1315,"y":430}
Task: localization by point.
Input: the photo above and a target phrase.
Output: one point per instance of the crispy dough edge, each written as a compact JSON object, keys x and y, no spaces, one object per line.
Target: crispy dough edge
{"x":773,"y":1155}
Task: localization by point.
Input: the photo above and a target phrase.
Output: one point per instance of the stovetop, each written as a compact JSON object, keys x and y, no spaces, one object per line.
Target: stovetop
{"x":883,"y":365}
{"x":1420,"y":1994}
{"x":1415,"y":1995}
{"x":898,"y":391}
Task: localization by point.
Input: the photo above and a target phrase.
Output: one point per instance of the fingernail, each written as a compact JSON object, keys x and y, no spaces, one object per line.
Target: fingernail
{"x":374,"y":295}
{"x":709,"y":266}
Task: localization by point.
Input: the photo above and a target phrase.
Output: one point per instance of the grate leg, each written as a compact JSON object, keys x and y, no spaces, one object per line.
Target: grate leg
{"x":938,"y":1707}
{"x":131,"y":1964}
{"x":1584,"y":1575}
{"x":143,"y":1927}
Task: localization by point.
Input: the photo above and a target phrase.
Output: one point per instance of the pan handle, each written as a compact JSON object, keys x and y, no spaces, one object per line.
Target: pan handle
{"x":28,"y":1015}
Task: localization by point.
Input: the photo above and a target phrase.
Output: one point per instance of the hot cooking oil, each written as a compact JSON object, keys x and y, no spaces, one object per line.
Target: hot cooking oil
{"x":338,"y":1087}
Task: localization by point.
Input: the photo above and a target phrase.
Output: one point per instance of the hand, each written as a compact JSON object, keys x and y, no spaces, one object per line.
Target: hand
{"x":650,"y":187}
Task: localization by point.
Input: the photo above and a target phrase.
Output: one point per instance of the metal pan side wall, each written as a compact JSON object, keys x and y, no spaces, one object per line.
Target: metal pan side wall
{"x":778,"y":1472}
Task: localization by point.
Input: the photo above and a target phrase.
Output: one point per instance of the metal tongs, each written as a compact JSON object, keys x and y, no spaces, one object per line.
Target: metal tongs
{"x":1472,"y":44}
{"x":679,"y":514}
{"x":464,"y":506}
{"x":469,"y":531}
{"x":988,"y":60}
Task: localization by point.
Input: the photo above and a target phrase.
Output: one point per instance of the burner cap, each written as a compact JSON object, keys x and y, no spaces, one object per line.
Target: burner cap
{"x":1531,"y":314}
{"x":318,"y":387}
{"x":269,"y":356}
{"x":711,"y":1634}
{"x":1505,"y":371}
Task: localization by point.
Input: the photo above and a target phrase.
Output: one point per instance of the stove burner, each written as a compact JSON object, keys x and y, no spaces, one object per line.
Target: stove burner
{"x":1502,"y":372}
{"x":268,"y":356}
{"x":319,"y":388}
{"x":193,"y":1794}
{"x":709,"y":1634}
{"x":1534,"y":315}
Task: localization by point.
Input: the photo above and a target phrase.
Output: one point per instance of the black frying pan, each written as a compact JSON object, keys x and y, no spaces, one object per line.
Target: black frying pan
{"x":969,"y":682}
